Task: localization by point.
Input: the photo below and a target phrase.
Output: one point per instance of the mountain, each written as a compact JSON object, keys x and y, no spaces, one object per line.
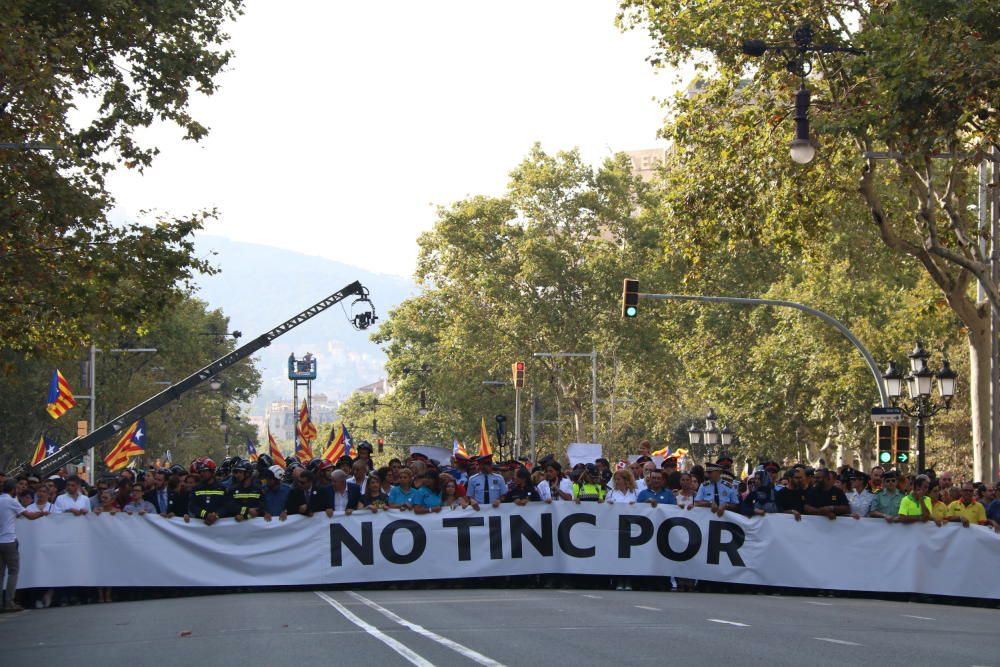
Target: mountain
{"x":259,"y":287}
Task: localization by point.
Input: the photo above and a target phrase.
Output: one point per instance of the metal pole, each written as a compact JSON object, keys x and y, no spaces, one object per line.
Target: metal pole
{"x":837,"y":324}
{"x":517,"y":421}
{"x":295,"y":416}
{"x":920,"y":439}
{"x":593,"y":395}
{"x":531,"y":420}
{"x":994,"y":463}
{"x":93,"y":411}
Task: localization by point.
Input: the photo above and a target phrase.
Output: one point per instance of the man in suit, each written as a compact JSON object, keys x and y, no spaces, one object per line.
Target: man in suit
{"x":345,"y":496}
{"x":307,"y":498}
{"x":168,"y":502}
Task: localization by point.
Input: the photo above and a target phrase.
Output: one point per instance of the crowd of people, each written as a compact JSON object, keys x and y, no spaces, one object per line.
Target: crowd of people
{"x":247,"y":490}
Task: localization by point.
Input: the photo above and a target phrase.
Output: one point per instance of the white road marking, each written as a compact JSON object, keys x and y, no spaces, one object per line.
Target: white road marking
{"x":639,"y":606}
{"x":592,"y":597}
{"x":465,"y":651}
{"x":837,"y":641}
{"x":719,"y":620}
{"x":919,"y":618}
{"x":821,"y":604}
{"x":412,"y":656}
{"x":458,"y":600}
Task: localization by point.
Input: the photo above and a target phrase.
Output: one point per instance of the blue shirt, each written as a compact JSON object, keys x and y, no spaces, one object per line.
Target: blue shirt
{"x":726,"y":493}
{"x":399,"y":497}
{"x":663,"y":496}
{"x":477,"y":487}
{"x":993,"y":511}
{"x":274,"y":501}
{"x":429,"y":499}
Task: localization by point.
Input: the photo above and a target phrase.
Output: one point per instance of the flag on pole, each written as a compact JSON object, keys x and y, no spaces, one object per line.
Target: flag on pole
{"x":60,"y":396}
{"x":132,"y":443}
{"x":338,"y":445}
{"x":276,"y":454}
{"x":302,"y":448}
{"x":306,"y":428}
{"x":484,"y":441}
{"x":251,"y":450}
{"x":43,"y":450}
{"x":458,"y":450}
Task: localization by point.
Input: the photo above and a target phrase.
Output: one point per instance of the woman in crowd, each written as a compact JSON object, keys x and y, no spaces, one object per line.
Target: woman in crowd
{"x":108,"y":503}
{"x":685,"y":495}
{"x":522,"y":491}
{"x":541,"y":485}
{"x":939,"y":509}
{"x":449,"y":492}
{"x":374,"y":498}
{"x":622,"y":488}
{"x":430,"y":498}
{"x":560,"y":488}
{"x":404,"y":496}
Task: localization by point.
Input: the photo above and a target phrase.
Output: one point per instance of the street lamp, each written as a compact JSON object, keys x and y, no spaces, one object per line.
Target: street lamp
{"x":710,"y":436}
{"x":423,"y":409}
{"x":919,"y":384}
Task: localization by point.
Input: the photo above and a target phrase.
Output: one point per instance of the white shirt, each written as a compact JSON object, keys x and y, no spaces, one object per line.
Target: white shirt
{"x":362,"y":486}
{"x":640,"y":484}
{"x":65,"y":503}
{"x":544,"y":491}
{"x":616,"y":496}
{"x":684,"y":501}
{"x":10,"y":509}
{"x":340,"y":501}
{"x":565,"y":486}
{"x":35,"y":507}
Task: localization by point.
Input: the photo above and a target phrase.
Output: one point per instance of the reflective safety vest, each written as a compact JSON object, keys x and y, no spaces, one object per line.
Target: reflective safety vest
{"x":588,"y":492}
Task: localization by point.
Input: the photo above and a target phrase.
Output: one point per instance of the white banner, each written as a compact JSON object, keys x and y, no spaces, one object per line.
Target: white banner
{"x":864,"y":555}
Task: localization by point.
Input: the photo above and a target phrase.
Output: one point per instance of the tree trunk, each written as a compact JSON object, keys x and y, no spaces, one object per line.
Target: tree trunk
{"x":979,"y":396}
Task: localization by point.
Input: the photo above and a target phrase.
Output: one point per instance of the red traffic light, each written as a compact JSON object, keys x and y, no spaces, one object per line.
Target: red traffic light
{"x":518,"y":374}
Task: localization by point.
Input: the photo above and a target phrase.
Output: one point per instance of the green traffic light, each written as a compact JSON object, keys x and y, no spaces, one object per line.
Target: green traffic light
{"x":902,"y":457}
{"x":884,"y":457}
{"x":631,"y":311}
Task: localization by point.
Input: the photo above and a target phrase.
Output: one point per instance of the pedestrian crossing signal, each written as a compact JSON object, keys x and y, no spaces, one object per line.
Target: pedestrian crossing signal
{"x":630,"y":298}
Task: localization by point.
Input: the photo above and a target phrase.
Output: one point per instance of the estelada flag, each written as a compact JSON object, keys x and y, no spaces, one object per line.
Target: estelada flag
{"x":484,"y":441}
{"x":279,"y":458}
{"x":302,"y":448}
{"x":43,"y":450}
{"x":306,"y":428}
{"x":132,"y":443}
{"x":458,"y":450}
{"x":251,"y":450}
{"x":60,"y":396}
{"x":338,"y":445}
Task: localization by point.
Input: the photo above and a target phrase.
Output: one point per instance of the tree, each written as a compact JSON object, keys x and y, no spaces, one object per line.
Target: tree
{"x":903,"y":96}
{"x":83,"y":77}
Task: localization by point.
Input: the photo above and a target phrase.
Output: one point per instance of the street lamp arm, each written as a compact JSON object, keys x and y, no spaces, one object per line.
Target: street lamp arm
{"x":832,"y":321}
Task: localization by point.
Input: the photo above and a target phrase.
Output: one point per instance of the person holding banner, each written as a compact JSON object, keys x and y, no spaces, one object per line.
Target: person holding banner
{"x":916,"y":506}
{"x":825,"y":499}
{"x":486,"y":487}
{"x":404,"y":496}
{"x":715,"y":493}
{"x":523,"y":491}
{"x":306,"y":498}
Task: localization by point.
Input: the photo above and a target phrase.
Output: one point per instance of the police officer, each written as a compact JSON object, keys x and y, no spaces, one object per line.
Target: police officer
{"x":486,"y":487}
{"x":716,"y":493}
{"x":207,"y":500}
{"x":590,"y":486}
{"x":245,"y":492}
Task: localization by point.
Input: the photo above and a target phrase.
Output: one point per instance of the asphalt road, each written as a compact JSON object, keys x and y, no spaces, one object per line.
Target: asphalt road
{"x":502,"y":627}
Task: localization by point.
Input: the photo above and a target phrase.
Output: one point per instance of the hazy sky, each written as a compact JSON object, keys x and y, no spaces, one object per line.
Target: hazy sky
{"x":341,"y":125}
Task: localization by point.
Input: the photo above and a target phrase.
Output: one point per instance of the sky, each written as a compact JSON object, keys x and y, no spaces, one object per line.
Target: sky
{"x":339,"y":127}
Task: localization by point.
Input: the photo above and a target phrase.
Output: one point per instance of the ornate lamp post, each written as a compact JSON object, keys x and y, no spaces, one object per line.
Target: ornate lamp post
{"x":919,"y":383}
{"x":710,"y":436}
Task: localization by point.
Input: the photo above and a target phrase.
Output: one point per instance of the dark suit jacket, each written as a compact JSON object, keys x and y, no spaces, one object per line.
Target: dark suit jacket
{"x":353,"y":496}
{"x":176,"y":503}
{"x":318,"y":500}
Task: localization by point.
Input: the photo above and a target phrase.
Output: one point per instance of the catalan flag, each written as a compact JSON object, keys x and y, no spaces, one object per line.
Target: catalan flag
{"x":484,"y":442}
{"x":279,"y":458}
{"x":132,"y":443}
{"x":665,"y":452}
{"x":302,"y":448}
{"x":339,"y":444}
{"x":458,"y":450}
{"x":43,"y":450}
{"x":60,"y":396}
{"x":306,"y":428}
{"x":251,"y":450}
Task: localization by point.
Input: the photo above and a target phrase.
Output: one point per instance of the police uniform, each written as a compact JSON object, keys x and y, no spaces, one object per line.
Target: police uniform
{"x":485,"y":488}
{"x":720,"y":493}
{"x":207,"y":498}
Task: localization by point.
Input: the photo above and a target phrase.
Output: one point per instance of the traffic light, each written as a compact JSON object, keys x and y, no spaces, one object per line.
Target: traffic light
{"x":381,"y":445}
{"x":902,"y":443}
{"x":884,"y":433}
{"x":630,"y":298}
{"x":518,"y":371}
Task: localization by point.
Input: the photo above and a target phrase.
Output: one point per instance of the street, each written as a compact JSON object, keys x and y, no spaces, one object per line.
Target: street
{"x":502,"y":627}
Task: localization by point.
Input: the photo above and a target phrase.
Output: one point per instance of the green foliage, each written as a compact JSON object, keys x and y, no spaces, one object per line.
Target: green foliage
{"x":84,"y":77}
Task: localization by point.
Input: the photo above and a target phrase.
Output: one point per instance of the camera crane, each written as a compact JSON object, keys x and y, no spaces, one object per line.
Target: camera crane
{"x":79,"y":446}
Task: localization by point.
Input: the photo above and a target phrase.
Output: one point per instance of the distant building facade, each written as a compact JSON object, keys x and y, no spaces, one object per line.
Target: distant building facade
{"x":281,"y":416}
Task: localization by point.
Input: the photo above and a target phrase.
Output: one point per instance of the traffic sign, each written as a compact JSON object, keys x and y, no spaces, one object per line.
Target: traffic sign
{"x":887,"y":415}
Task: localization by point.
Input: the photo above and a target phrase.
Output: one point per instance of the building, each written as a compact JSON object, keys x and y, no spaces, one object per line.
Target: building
{"x":281,"y":416}
{"x":379,"y":388}
{"x":646,"y":162}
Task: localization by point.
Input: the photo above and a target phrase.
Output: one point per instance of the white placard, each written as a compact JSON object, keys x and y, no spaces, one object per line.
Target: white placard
{"x":583,"y":452}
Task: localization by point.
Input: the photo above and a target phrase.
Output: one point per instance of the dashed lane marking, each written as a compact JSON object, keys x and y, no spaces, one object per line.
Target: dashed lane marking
{"x":719,"y":620}
{"x":919,"y":618}
{"x":639,"y":606}
{"x":837,"y":641}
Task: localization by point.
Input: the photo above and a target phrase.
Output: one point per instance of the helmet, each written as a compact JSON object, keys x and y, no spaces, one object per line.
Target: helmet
{"x":292,"y":460}
{"x":244,"y":466}
{"x":312,"y":465}
{"x":278,"y":472}
{"x":202,"y":463}
{"x":323,"y":465}
{"x":365,"y":445}
{"x":226,"y":465}
{"x":264,"y":461}
{"x":177,"y":469}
